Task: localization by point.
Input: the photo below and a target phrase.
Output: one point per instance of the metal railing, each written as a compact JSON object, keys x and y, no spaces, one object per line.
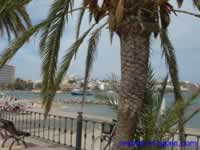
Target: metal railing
{"x":191,"y":141}
{"x":57,"y":129}
{"x":78,"y":133}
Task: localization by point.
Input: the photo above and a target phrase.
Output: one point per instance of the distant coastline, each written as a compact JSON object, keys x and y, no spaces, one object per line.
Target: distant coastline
{"x":38,"y":91}
{"x":185,"y":86}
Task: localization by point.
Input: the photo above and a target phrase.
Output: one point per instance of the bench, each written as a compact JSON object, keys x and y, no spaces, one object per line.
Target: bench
{"x":2,"y":130}
{"x":10,"y":132}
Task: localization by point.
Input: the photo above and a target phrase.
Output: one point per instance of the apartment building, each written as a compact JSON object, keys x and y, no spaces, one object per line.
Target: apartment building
{"x":7,"y":74}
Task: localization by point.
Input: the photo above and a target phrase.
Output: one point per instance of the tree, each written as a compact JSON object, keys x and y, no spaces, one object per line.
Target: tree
{"x":21,"y":84}
{"x":154,"y":124}
{"x":133,"y":21}
{"x":38,"y":86}
{"x":14,"y":18}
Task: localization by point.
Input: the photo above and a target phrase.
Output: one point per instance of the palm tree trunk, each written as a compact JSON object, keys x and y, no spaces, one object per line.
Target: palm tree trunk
{"x":134,"y":60}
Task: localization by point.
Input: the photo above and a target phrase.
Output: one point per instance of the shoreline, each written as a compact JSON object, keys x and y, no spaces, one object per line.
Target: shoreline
{"x":98,"y":119}
{"x":71,"y":105}
{"x":73,"y":115}
{"x":57,"y":109}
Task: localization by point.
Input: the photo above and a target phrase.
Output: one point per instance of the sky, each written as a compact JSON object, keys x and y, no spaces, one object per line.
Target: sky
{"x":184,"y":33}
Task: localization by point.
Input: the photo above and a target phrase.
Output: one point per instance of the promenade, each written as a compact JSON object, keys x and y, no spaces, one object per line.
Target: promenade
{"x":36,"y":144}
{"x":58,"y":130}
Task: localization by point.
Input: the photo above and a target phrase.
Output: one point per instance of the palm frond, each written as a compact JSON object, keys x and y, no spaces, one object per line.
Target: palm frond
{"x":163,"y":88}
{"x":18,"y":43}
{"x":71,"y":5}
{"x":111,"y":99}
{"x":111,"y":36}
{"x":80,"y":18}
{"x":194,"y":113}
{"x":58,"y":10}
{"x":14,"y":17}
{"x":180,"y":2}
{"x":196,"y":3}
{"x":49,"y":93}
{"x":92,"y":49}
{"x":50,"y":46}
{"x":161,"y":93}
{"x":170,"y":57}
{"x":90,"y":16}
{"x":69,"y":55}
{"x":168,"y":52}
{"x":149,"y":90}
{"x":173,"y":114}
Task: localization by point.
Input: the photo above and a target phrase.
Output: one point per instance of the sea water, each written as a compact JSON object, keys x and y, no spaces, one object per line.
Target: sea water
{"x":105,"y":110}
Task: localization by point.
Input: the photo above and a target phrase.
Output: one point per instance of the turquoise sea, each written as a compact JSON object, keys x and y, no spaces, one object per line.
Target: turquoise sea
{"x":104,"y":110}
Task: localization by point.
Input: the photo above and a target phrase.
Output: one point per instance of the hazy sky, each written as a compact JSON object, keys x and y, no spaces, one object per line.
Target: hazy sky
{"x":184,"y":32}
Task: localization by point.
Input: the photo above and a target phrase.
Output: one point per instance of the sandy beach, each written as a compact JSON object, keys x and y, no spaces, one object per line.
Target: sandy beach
{"x":57,"y":109}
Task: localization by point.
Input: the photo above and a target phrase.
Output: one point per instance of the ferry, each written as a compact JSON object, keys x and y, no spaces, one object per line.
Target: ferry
{"x":78,"y":92}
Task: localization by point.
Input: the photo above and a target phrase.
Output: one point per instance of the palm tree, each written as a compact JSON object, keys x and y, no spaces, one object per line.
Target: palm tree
{"x":133,"y":21}
{"x":13,"y":17}
{"x":154,"y":125}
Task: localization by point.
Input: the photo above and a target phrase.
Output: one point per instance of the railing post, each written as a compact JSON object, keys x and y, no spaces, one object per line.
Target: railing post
{"x":79,"y":131}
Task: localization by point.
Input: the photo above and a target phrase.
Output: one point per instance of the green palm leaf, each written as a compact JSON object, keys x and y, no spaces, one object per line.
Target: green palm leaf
{"x":71,"y":52}
{"x":14,"y":17}
{"x":196,"y":3}
{"x":50,"y":46}
{"x":18,"y":43}
{"x":91,"y":52}
{"x":49,"y":93}
{"x":58,"y":10}
{"x":50,"y":43}
{"x":180,"y":2}
{"x":169,"y":53}
{"x":80,"y":18}
{"x":170,"y":57}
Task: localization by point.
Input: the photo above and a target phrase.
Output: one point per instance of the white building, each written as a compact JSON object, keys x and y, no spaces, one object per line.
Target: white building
{"x":100,"y":85}
{"x":7,"y":74}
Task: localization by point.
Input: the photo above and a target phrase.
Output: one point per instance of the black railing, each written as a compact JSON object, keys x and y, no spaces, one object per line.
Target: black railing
{"x":63,"y":130}
{"x":53,"y":128}
{"x":59,"y":129}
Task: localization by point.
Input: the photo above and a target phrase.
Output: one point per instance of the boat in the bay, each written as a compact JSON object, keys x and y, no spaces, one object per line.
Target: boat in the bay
{"x":79,"y":92}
